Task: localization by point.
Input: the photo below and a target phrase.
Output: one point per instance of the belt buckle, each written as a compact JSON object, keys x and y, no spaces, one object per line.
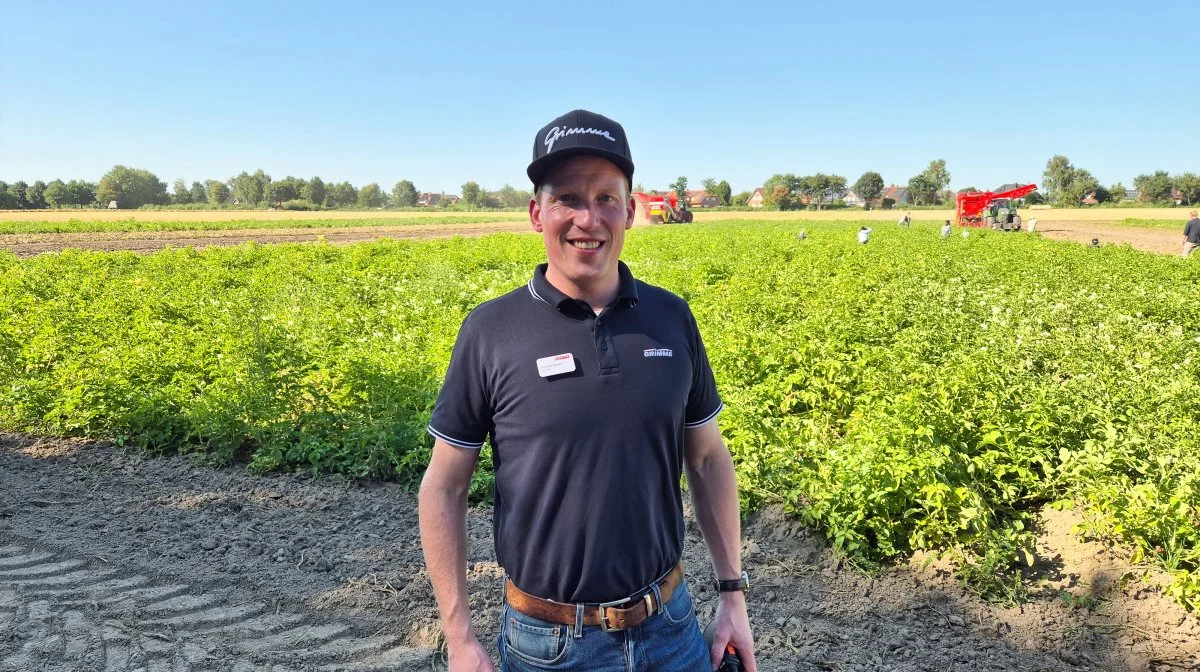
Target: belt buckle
{"x":603,"y":607}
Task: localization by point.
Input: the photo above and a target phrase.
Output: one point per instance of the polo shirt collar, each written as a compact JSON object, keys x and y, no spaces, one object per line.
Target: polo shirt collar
{"x":541,"y":289}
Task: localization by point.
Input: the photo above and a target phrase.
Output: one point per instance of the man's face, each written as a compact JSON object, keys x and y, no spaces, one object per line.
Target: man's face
{"x":582,"y":212}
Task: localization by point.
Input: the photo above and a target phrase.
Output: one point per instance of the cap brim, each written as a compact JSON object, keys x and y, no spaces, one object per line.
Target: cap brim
{"x":538,"y":169}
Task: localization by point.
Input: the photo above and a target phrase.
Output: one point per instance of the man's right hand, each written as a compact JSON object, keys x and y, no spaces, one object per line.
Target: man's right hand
{"x":470,"y":656}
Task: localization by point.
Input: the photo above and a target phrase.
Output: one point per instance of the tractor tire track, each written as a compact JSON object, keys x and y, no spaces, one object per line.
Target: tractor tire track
{"x":59,"y":612}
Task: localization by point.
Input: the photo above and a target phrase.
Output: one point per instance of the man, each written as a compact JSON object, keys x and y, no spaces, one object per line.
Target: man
{"x":864,"y":235}
{"x":1191,"y":234}
{"x":946,"y":229}
{"x":597,"y":395}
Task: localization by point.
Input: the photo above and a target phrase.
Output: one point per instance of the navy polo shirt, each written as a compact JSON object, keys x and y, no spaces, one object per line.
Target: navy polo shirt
{"x":587,"y":462}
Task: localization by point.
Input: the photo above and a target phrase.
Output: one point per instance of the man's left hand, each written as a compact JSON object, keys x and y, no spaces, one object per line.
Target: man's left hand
{"x":732,"y":626}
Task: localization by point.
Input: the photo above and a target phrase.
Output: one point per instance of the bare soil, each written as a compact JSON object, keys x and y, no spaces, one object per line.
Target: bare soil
{"x":113,"y":561}
{"x":26,"y":245}
{"x":1150,"y":240}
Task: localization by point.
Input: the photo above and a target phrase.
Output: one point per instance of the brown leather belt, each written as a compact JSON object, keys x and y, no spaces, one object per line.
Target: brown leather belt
{"x":619,"y":615}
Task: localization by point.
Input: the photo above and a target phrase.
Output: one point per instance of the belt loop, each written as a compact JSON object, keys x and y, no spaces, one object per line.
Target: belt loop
{"x":578,"y":632}
{"x":658,"y":601}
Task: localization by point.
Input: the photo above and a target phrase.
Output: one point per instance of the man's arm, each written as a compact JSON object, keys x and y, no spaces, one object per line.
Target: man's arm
{"x":713,"y":487}
{"x":443,"y":516}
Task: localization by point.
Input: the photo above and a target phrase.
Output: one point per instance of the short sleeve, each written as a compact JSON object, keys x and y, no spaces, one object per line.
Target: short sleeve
{"x":462,"y":415}
{"x":703,"y":401}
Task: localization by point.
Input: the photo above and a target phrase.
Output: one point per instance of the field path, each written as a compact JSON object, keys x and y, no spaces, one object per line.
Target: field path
{"x":26,"y":245}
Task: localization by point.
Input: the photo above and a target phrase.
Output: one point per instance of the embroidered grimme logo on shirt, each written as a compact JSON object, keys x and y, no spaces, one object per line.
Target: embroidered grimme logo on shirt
{"x":657,"y":352}
{"x":557,"y":132}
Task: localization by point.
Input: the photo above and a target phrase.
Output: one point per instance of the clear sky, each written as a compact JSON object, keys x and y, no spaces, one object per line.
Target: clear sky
{"x":445,"y":92}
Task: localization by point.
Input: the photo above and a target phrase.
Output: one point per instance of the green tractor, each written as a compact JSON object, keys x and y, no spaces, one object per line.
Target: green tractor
{"x":1001,"y":214}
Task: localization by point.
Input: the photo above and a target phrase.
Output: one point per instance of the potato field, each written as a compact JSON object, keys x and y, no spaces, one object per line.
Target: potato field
{"x":912,"y":394}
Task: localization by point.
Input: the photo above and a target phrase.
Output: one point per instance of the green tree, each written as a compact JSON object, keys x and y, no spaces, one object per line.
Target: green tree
{"x":245,"y":189}
{"x":937,"y":174}
{"x":1189,"y":186}
{"x":57,"y":194}
{"x":709,"y":184}
{"x":16,"y":193}
{"x":1034,"y":198}
{"x":1154,"y":188}
{"x":82,"y":193}
{"x":404,"y":194}
{"x":262,"y":180}
{"x":680,"y":187}
{"x":724,"y":192}
{"x":1057,"y":177}
{"x":340,"y":195}
{"x":7,"y":202}
{"x":869,"y":187}
{"x":314,"y":191}
{"x":218,"y":193}
{"x":287,"y":189}
{"x":199,"y":192}
{"x":35,"y":196}
{"x":741,"y":199}
{"x":968,"y":190}
{"x":472,"y":195}
{"x":780,"y":190}
{"x":1080,"y":185}
{"x":923,"y":188}
{"x":371,"y":196}
{"x":181,"y":195}
{"x":1118,"y":192}
{"x":510,"y":197}
{"x":131,"y":188}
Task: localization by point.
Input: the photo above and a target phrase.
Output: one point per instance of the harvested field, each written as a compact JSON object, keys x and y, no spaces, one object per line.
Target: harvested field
{"x":25,"y":245}
{"x":231,"y":215}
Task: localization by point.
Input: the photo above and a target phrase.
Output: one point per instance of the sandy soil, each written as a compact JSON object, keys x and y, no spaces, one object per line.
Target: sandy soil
{"x":25,"y":245}
{"x":111,"y":561}
{"x":1151,"y":240}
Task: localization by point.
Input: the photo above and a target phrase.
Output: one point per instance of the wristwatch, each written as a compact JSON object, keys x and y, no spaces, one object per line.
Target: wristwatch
{"x":741,"y":583}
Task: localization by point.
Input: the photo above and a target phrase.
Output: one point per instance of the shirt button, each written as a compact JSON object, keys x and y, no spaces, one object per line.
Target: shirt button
{"x":604,"y":346}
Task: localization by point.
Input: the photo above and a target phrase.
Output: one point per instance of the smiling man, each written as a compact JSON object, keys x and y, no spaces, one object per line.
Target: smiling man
{"x":596,"y":393}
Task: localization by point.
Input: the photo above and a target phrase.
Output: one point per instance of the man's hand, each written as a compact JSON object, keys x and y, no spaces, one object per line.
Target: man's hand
{"x":733,"y":627}
{"x":470,"y":656}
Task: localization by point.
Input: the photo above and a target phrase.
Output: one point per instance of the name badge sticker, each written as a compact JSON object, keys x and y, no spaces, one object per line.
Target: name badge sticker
{"x":555,"y":365}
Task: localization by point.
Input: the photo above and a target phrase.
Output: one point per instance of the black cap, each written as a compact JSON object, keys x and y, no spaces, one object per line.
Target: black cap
{"x":579,"y":132}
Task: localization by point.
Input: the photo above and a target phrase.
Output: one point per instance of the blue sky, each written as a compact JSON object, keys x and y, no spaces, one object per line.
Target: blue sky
{"x":441,"y":93}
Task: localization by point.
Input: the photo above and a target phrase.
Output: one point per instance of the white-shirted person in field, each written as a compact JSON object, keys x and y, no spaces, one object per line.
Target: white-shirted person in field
{"x":864,"y":235}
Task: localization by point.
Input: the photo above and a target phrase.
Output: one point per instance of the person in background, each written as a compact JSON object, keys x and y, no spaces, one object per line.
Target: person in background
{"x":864,"y":235}
{"x":1191,"y":234}
{"x":946,"y":229}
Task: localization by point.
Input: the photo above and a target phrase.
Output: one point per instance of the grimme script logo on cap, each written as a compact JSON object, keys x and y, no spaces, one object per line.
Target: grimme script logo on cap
{"x":657,"y":352}
{"x":557,"y":132}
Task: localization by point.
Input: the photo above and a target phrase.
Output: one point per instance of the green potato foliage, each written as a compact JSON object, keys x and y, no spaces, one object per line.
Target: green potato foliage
{"x":913,"y":394}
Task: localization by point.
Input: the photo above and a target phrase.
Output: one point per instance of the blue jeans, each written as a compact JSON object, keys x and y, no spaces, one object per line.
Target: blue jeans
{"x":668,"y":641}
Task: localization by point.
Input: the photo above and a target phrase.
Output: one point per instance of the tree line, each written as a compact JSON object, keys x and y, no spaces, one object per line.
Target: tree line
{"x":785,"y":191}
{"x":135,"y":188}
{"x":1067,"y":184}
